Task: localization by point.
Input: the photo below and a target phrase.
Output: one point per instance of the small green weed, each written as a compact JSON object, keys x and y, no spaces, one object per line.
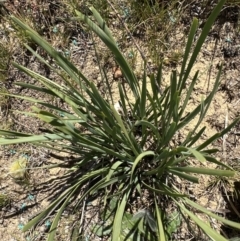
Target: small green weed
{"x":4,"y":200}
{"x":18,"y":170}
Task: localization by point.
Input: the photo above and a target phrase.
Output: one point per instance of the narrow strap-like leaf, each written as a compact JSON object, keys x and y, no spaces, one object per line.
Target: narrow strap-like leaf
{"x":209,"y":213}
{"x":206,"y":228}
{"x":161,"y":232}
{"x":205,"y":171}
{"x":125,"y":68}
{"x":184,"y":175}
{"x":117,"y":223}
{"x":139,"y":158}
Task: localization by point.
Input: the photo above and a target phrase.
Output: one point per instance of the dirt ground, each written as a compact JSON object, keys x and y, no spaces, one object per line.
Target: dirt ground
{"x":26,"y":200}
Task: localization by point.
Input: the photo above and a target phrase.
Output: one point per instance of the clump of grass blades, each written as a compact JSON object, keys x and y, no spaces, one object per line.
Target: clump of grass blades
{"x":116,"y":146}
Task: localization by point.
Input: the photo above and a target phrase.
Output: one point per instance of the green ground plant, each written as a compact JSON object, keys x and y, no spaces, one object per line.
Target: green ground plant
{"x":18,"y":170}
{"x":4,"y":200}
{"x":130,"y":151}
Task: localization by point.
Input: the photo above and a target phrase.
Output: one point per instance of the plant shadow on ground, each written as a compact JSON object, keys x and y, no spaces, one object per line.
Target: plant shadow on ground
{"x":232,"y":207}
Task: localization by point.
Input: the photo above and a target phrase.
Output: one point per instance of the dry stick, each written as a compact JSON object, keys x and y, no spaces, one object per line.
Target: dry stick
{"x":82,"y":215}
{"x":225,"y":137}
{"x":135,"y":43}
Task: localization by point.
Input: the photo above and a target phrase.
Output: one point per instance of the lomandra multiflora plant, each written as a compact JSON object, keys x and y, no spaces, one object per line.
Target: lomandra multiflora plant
{"x":127,"y":153}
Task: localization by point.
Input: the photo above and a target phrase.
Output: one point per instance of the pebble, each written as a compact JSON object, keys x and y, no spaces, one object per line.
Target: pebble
{"x":88,"y":215}
{"x":117,"y":74}
{"x":99,"y":78}
{"x":42,"y":229}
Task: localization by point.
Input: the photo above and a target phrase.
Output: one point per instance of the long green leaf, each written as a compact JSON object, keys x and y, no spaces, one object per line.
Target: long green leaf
{"x":13,"y":134}
{"x":123,"y":100}
{"x":197,"y":154}
{"x":209,"y":213}
{"x":207,"y":229}
{"x":189,"y":92}
{"x":53,"y":228}
{"x":61,"y":60}
{"x":56,"y":70}
{"x":50,"y":208}
{"x":143,"y":95}
{"x":161,"y":232}
{"x":117,"y":223}
{"x":33,"y":139}
{"x":217,"y":135}
{"x":170,"y":133}
{"x":184,"y":175}
{"x":205,"y":171}
{"x":113,"y":169}
{"x":126,"y":69}
{"x":151,"y":126}
{"x":219,"y":163}
{"x":131,"y":142}
{"x":205,"y":31}
{"x":104,"y":183}
{"x":187,"y":51}
{"x":102,"y":24}
{"x":38,"y":89}
{"x":163,"y":191}
{"x":139,"y":158}
{"x":195,"y":138}
{"x":60,"y":91}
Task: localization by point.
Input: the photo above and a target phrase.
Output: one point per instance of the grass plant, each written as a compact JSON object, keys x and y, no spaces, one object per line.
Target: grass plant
{"x":121,"y":154}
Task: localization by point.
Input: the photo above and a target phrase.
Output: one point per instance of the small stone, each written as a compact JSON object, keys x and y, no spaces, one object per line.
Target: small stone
{"x":54,"y":171}
{"x":88,"y":215}
{"x":95,"y":202}
{"x":117,"y":74}
{"x":66,"y":229}
{"x":45,"y":203}
{"x":42,"y":229}
{"x":99,"y":78}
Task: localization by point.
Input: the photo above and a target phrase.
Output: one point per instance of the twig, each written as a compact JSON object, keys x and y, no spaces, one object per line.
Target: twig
{"x":225,"y":137}
{"x":82,"y":215}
